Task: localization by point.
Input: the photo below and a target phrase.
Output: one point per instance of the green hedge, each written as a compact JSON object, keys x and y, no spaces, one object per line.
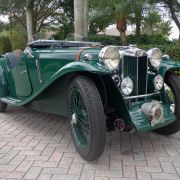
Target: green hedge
{"x":5,"y":45}
{"x":172,"y":50}
{"x":148,"y":39}
{"x":132,"y":39}
{"x":105,"y":40}
{"x":144,"y":41}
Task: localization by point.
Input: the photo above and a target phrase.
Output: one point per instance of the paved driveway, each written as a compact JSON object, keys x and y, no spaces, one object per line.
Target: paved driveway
{"x":37,"y":145}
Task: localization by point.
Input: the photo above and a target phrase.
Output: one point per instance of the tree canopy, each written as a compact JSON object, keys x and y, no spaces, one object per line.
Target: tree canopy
{"x":45,"y":13}
{"x":57,"y":16}
{"x":172,"y":8}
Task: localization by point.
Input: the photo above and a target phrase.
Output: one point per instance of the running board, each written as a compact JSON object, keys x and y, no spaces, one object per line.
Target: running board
{"x":11,"y":100}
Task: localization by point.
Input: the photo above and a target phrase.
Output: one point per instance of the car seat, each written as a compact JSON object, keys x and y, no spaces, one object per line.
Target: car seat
{"x":13,"y":58}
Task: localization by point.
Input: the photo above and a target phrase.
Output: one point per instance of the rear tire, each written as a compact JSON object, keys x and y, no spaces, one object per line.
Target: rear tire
{"x":3,"y":106}
{"x":173,"y":82}
{"x":86,"y":118}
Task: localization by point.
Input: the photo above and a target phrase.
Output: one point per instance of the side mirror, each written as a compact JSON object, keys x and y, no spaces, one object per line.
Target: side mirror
{"x":87,"y":57}
{"x":166,"y":57}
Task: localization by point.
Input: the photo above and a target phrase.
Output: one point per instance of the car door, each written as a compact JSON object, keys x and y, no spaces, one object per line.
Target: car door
{"x":35,"y":72}
{"x":21,"y":78}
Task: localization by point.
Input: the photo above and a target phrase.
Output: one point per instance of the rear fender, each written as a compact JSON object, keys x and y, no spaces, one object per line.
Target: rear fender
{"x":3,"y":81}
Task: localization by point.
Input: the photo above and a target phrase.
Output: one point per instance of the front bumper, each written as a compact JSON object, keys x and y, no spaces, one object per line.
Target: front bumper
{"x":141,"y":122}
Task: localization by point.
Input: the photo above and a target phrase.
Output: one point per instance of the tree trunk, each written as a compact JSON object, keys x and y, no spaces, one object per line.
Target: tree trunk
{"x":174,"y":17}
{"x":122,"y":27}
{"x":151,"y":29}
{"x":138,"y":27}
{"x":123,"y":38}
{"x":81,"y":12}
{"x":29,"y":19}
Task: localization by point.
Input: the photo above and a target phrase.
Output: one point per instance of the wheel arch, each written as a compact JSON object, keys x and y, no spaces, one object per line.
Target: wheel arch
{"x":98,"y":79}
{"x":55,"y":95}
{"x":174,"y":84}
{"x":167,"y":66}
{"x":111,"y":97}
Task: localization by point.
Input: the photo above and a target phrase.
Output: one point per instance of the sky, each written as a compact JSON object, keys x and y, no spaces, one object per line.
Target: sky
{"x":3,"y":18}
{"x":174,"y":32}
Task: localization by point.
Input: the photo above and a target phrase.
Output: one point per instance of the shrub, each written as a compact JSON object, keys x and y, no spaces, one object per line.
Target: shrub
{"x":17,"y":37}
{"x":173,"y":51}
{"x":5,"y":45}
{"x":148,"y":39}
{"x":132,"y":39}
{"x":145,"y":42}
{"x":105,"y":40}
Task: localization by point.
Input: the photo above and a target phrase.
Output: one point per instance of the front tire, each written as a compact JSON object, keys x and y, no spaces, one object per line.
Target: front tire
{"x":86,"y":118}
{"x":173,"y":82}
{"x":3,"y":106}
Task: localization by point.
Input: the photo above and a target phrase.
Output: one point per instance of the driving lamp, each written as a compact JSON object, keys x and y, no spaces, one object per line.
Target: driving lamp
{"x":158,"y":82}
{"x":127,"y":86}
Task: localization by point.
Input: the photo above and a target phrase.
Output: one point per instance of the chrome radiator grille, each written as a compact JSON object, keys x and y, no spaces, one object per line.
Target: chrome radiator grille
{"x":136,"y":68}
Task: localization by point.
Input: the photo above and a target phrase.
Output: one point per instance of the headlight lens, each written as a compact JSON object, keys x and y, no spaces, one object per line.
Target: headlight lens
{"x":158,"y":82}
{"x":155,"y":57}
{"x":127,"y":86}
{"x":110,"y":57}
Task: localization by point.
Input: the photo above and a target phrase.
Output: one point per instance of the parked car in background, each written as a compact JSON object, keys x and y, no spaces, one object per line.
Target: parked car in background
{"x":97,"y":88}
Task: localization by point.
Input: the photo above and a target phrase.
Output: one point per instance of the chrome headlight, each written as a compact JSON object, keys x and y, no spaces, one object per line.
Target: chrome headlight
{"x":158,"y":82}
{"x":127,"y":86}
{"x":110,"y":56}
{"x":155,"y":57}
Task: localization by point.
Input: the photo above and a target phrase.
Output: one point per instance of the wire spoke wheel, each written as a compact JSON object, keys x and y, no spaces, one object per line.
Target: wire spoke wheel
{"x":86,"y":117}
{"x":79,"y":121}
{"x":172,"y":89}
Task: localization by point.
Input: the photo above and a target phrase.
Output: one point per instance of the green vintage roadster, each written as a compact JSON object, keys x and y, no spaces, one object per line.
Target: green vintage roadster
{"x":97,"y":88}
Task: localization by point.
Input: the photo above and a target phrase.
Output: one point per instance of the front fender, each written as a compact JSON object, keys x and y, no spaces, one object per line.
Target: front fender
{"x":168,"y":65}
{"x":88,"y":66}
{"x":92,"y":67}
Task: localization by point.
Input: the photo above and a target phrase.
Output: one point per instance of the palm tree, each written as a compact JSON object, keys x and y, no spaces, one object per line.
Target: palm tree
{"x":122,"y":11}
{"x":138,"y":8}
{"x":119,"y":11}
{"x":151,"y":22}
